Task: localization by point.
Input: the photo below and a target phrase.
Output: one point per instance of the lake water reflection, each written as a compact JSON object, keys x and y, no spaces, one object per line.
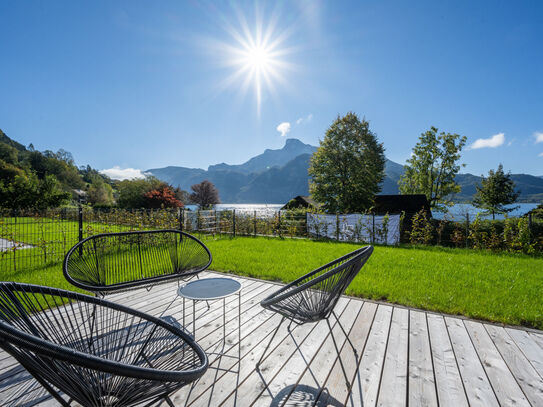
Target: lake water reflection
{"x":457,"y":212}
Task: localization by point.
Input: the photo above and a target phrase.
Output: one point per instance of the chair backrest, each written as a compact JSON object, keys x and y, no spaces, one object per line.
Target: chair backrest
{"x":313,"y":296}
{"x":88,"y":347}
{"x":111,"y":262}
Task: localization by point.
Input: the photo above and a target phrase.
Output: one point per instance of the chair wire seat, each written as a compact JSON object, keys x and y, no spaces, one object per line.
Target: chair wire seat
{"x":96,"y":352}
{"x":114,"y":262}
{"x":312,"y":297}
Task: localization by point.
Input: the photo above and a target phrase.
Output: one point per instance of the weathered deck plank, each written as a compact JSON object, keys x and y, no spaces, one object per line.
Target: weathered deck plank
{"x":404,"y":356}
{"x":450,"y":389}
{"x":421,"y":383}
{"x":529,"y":347}
{"x":311,"y":362}
{"x":371,"y":364}
{"x":393,"y":389}
{"x":476,"y":383}
{"x":527,"y":377}
{"x":336,"y":388}
{"x":503,"y":382}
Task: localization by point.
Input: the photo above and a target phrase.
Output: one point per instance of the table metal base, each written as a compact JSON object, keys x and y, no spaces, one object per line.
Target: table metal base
{"x":219,"y":354}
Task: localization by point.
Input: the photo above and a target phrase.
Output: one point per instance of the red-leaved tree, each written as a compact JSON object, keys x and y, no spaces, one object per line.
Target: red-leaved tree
{"x":163,"y":197}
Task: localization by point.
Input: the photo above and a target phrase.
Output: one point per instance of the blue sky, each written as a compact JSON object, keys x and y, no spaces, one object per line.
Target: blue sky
{"x":148,"y":84}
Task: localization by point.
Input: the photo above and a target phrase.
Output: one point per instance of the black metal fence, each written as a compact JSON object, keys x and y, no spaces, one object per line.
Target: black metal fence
{"x":29,"y":239}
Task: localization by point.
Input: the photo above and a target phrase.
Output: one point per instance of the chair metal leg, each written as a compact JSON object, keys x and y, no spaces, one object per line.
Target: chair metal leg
{"x":344,"y":333}
{"x":339,"y":354}
{"x":269,"y":343}
{"x":169,"y":401}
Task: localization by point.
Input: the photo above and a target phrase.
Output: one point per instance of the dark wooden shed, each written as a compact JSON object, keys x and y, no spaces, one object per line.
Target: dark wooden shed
{"x":410,"y":204}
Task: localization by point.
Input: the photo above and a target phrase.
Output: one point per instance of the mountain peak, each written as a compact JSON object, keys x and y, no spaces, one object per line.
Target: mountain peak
{"x":269,"y":158}
{"x":294,"y":142}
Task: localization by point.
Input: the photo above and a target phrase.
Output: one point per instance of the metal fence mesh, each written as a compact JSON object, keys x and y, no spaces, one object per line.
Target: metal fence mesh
{"x":29,"y":239}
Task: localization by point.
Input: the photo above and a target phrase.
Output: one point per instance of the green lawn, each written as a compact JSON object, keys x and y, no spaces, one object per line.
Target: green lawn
{"x":503,"y":287}
{"x":497,"y":287}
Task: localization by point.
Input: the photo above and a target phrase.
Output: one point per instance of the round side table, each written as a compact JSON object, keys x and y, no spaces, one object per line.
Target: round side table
{"x":211,"y":289}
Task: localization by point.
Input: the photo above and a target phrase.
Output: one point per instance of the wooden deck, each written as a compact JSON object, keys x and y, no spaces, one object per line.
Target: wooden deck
{"x":404,"y":357}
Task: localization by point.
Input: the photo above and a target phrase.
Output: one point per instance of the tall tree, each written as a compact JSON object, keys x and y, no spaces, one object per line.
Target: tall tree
{"x":496,"y":191}
{"x":100,"y":193}
{"x":132,"y":192}
{"x":347,"y":169}
{"x":204,"y":194}
{"x":26,"y":191}
{"x":433,"y":166}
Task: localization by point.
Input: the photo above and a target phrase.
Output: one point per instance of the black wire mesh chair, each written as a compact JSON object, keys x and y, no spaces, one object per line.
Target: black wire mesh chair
{"x":113,"y":262}
{"x":96,"y":352}
{"x":312,"y":297}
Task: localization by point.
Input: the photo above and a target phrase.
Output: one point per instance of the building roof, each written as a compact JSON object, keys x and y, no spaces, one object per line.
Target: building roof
{"x":300,"y":201}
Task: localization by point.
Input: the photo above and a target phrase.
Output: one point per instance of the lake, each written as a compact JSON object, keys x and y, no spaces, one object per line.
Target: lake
{"x":457,"y":212}
{"x":243,"y":207}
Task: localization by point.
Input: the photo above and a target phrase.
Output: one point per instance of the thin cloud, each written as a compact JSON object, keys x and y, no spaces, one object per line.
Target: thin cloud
{"x":492,"y":142}
{"x":540,"y":155}
{"x":538,"y":137}
{"x":121,"y":174}
{"x":306,"y":119}
{"x":283,"y":128}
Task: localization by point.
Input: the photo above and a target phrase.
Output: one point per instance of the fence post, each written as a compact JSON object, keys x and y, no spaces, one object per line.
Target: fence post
{"x":279,"y":222}
{"x":80,"y":220}
{"x":337,"y":226}
{"x":234,"y":222}
{"x":198,"y":220}
{"x":373,"y":228}
{"x":255,"y":223}
{"x":467,"y":229}
{"x":181,"y":218}
{"x":530,"y":226}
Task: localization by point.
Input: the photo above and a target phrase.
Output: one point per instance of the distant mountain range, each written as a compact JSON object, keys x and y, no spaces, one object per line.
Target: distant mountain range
{"x":275,"y":176}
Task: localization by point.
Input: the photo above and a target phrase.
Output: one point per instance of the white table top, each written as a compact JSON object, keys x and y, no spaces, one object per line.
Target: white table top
{"x":209,"y":289}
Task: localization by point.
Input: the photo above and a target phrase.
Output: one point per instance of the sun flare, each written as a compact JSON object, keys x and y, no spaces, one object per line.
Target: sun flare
{"x":255,"y":58}
{"x":258,"y":58}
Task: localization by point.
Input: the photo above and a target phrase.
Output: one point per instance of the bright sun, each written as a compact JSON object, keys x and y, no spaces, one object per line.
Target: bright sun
{"x":255,"y":57}
{"x":258,"y":58}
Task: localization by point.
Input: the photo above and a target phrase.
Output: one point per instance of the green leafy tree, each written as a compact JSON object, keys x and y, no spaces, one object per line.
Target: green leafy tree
{"x":100,"y":193}
{"x":26,"y":191}
{"x":8,"y":153}
{"x":347,"y":169}
{"x":132,"y":192}
{"x":433,"y":166}
{"x":496,"y":192}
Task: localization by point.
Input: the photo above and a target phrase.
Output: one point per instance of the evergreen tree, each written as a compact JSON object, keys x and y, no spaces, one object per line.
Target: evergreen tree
{"x":496,"y":191}
{"x":348,"y":168}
